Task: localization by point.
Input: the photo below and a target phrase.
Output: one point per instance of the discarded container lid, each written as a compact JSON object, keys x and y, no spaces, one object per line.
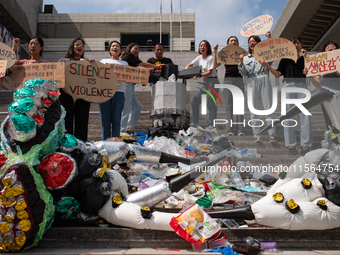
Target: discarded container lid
{"x":204,"y":201}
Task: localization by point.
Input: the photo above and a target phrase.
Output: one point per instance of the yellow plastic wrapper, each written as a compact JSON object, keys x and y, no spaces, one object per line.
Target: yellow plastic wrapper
{"x":3,"y":198}
{"x":20,"y":240}
{"x":21,"y":204}
{"x":10,"y":215}
{"x":4,"y":228}
{"x":278,"y":197}
{"x":22,"y":215}
{"x":25,"y":225}
{"x":16,"y":190}
{"x":9,"y":179}
{"x":322,"y":204}
{"x":10,"y":202}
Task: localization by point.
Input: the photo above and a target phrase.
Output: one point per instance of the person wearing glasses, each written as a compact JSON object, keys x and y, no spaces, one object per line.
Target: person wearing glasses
{"x":79,"y":111}
{"x":35,"y":48}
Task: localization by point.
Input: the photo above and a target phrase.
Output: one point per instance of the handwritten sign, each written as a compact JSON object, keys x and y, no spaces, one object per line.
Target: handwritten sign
{"x":322,"y":63}
{"x":257,"y":26}
{"x":49,"y":71}
{"x":131,"y":74}
{"x":91,"y":81}
{"x":3,"y":66}
{"x":275,"y":48}
{"x":230,"y":55}
{"x":6,"y":53}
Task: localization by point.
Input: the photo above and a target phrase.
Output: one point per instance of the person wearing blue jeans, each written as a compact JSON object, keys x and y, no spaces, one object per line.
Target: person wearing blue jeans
{"x":111,"y":110}
{"x":209,"y":75}
{"x":132,"y":108}
{"x":258,"y":82}
{"x":294,"y":74}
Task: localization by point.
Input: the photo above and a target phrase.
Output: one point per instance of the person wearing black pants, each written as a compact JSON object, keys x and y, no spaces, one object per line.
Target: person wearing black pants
{"x":78,"y":111}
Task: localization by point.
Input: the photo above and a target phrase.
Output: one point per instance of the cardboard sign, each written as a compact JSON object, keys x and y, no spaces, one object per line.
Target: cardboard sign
{"x":91,"y":81}
{"x":230,"y":55}
{"x":275,"y":48}
{"x":49,"y":71}
{"x":322,"y":63}
{"x":131,"y":74}
{"x":6,"y":53}
{"x":3,"y":67}
{"x":258,"y":26}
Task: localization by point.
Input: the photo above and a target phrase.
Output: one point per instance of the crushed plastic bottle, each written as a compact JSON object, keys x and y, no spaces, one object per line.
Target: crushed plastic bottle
{"x":236,"y":179}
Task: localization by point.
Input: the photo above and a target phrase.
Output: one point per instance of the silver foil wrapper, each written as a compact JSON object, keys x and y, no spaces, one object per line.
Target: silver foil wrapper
{"x":150,"y":196}
{"x":116,"y":150}
{"x":86,"y":217}
{"x":42,"y":90}
{"x":10,"y":215}
{"x":18,"y":135}
{"x":50,"y":85}
{"x":145,"y":155}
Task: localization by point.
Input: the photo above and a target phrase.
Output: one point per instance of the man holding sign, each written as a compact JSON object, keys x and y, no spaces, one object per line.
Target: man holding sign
{"x":295,"y":76}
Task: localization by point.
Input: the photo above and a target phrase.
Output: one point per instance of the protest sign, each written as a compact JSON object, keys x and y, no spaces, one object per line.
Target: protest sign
{"x":131,"y":74}
{"x":322,"y":63}
{"x":91,"y":81}
{"x":275,"y":48}
{"x":6,"y":53}
{"x":3,"y":66}
{"x":258,"y":26}
{"x":230,"y":55}
{"x":49,"y":71}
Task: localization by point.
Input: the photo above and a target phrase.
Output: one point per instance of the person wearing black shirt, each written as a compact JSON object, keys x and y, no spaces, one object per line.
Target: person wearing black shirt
{"x":232,"y":76}
{"x":158,"y":59}
{"x":295,"y":76}
{"x":132,"y":107}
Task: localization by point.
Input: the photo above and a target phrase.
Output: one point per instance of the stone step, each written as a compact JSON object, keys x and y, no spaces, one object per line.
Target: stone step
{"x":116,"y":237}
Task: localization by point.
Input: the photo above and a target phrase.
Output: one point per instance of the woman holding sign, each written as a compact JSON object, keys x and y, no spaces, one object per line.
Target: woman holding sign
{"x":80,"y":109}
{"x":209,"y":75}
{"x":132,"y":107}
{"x":111,"y":111}
{"x":35,"y":47}
{"x":258,"y":82}
{"x":232,"y":76}
{"x":295,"y":76}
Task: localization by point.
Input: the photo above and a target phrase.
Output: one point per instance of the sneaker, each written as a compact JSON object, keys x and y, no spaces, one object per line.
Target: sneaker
{"x":305,"y":149}
{"x":272,"y":139}
{"x":230,"y":134}
{"x":241,"y":134}
{"x":257,"y":139}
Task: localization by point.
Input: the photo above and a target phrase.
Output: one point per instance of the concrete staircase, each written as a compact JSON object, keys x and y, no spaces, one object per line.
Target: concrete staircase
{"x":71,"y":235}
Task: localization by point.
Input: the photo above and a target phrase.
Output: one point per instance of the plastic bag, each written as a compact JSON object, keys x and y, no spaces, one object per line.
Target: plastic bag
{"x":195,"y":225}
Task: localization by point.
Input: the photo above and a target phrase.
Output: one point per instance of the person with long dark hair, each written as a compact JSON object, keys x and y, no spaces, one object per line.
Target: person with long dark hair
{"x":111,"y":111}
{"x":232,"y":76}
{"x":294,"y":74}
{"x":35,"y":48}
{"x":132,"y":107}
{"x":257,"y":81}
{"x":79,"y":110}
{"x":209,"y":76}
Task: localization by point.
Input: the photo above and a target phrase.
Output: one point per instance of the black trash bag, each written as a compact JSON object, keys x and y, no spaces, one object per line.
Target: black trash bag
{"x":93,"y":193}
{"x":268,"y":179}
{"x":152,"y":132}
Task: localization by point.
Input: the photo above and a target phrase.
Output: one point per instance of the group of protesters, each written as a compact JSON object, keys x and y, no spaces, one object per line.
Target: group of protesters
{"x":121,"y":112}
